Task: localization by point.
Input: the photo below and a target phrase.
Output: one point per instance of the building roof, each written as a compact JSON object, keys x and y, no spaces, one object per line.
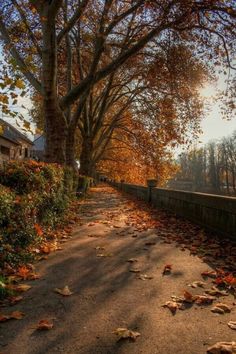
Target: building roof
{"x":39,"y":143}
{"x":12,"y":134}
{"x":8,"y":139}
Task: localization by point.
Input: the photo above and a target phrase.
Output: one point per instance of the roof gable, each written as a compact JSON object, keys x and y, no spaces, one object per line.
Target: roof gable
{"x":13,"y":134}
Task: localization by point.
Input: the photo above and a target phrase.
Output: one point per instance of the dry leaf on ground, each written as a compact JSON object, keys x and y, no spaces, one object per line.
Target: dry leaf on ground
{"x":145,"y":277}
{"x":99,"y":248}
{"x":150,"y":243}
{"x":16,"y":315}
{"x":209,"y":273}
{"x":132,"y":260}
{"x":216,"y":292}
{"x":104,"y":255}
{"x":204,"y":299}
{"x":135,"y":270}
{"x":232,"y":324}
{"x":196,"y":284}
{"x":218,"y":310}
{"x":44,"y":325}
{"x":22,"y":287}
{"x":172,"y":306}
{"x":167,"y":269}
{"x":65,"y":291}
{"x":221,"y":308}
{"x":188,"y":297}
{"x":125,"y":333}
{"x":222,"y":347}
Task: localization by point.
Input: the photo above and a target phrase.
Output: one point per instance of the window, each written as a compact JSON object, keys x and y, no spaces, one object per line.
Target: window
{"x":5,"y":150}
{"x":26,"y":152}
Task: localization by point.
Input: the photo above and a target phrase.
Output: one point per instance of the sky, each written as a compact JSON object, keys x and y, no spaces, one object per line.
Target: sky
{"x":213,"y":126}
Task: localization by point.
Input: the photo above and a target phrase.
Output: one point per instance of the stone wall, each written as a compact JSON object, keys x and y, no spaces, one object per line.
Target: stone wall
{"x":214,"y":212}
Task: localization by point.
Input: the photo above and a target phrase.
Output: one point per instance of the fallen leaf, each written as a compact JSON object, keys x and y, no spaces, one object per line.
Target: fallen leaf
{"x":99,"y":248}
{"x":214,"y":292}
{"x":204,"y":299}
{"x":135,"y":270}
{"x":4,"y":318}
{"x":104,"y":255}
{"x":172,"y":306}
{"x":210,"y":274}
{"x":65,"y":291}
{"x":125,"y":333}
{"x":224,"y":307}
{"x":167,"y":269}
{"x":23,"y":272}
{"x":232,"y":324}
{"x":45,"y":249}
{"x":132,"y":260}
{"x":222,"y":347}
{"x":44,"y":325}
{"x":188,"y":297}
{"x":145,"y":277}
{"x":150,"y":243}
{"x":91,"y":224}
{"x":17,"y":315}
{"x":22,"y":287}
{"x":196,"y":284}
{"x":218,"y":310}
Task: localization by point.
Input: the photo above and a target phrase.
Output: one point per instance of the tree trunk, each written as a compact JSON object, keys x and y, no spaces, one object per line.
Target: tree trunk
{"x":55,"y":122}
{"x":56,"y":132}
{"x":70,"y":148}
{"x":233,"y":180}
{"x":86,"y":162}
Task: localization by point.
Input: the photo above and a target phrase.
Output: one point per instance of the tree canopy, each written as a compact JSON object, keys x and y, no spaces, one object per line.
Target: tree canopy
{"x":103,"y":67}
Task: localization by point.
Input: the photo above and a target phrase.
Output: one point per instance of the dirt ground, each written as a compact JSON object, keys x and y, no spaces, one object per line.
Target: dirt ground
{"x":107,"y":295}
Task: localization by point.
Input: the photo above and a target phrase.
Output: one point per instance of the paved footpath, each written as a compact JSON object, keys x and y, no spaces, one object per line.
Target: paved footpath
{"x":107,"y":295}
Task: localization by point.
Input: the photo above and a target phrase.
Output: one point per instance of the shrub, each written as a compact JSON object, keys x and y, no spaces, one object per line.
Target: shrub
{"x":7,"y":198}
{"x":34,"y":195}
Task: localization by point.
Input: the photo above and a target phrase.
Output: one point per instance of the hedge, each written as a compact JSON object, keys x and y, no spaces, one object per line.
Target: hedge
{"x":32,"y":196}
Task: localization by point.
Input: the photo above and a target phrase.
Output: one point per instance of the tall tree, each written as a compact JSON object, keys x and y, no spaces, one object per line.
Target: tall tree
{"x":108,"y":33}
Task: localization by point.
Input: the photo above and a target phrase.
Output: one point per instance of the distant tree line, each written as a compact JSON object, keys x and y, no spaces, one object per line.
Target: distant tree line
{"x":211,"y":168}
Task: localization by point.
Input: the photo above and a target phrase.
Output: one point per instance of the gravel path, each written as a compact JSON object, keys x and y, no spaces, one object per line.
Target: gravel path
{"x":107,"y":295}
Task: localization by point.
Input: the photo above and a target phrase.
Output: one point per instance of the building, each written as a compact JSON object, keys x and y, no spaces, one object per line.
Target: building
{"x":13,"y":144}
{"x":38,"y":148}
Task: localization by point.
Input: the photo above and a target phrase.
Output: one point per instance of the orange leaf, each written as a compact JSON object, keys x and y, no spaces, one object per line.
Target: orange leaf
{"x":22,"y":287}
{"x":4,"y":318}
{"x":38,"y":229}
{"x":65,"y":291}
{"x":44,"y":325}
{"x":188,"y":297}
{"x":23,"y":272}
{"x":204,"y":299}
{"x":17,"y":315}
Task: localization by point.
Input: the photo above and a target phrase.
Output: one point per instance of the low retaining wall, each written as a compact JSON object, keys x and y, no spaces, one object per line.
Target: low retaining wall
{"x":214,"y":212}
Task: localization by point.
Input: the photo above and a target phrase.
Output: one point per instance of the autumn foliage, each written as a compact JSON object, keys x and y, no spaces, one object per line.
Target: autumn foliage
{"x":33,"y":196}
